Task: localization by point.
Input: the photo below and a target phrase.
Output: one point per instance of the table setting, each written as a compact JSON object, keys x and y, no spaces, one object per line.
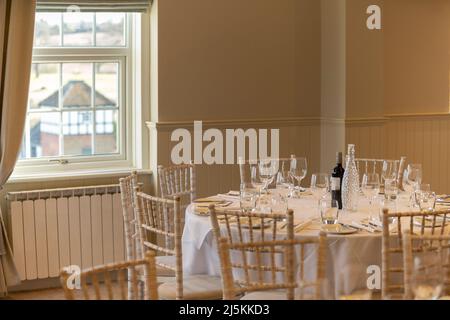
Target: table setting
{"x":353,"y":232}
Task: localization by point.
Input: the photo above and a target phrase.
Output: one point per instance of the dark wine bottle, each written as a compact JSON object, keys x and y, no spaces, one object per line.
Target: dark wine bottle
{"x":336,"y":180}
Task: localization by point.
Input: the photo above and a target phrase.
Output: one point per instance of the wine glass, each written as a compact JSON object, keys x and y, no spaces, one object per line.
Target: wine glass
{"x":370,"y":186}
{"x":413,"y":179}
{"x":268,"y":169}
{"x":298,"y":169}
{"x":255,"y":178}
{"x":320,"y":184}
{"x":427,"y":277}
{"x":284,"y":179}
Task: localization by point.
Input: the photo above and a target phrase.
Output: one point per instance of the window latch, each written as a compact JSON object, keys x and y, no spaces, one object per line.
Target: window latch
{"x":60,"y":161}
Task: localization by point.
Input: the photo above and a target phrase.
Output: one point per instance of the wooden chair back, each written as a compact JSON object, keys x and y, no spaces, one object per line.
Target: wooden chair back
{"x":280,"y":268}
{"x":433,"y":223}
{"x":160,"y":223}
{"x":102,"y":282}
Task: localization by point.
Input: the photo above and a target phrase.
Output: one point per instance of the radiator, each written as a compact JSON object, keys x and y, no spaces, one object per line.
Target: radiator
{"x":52,"y":229}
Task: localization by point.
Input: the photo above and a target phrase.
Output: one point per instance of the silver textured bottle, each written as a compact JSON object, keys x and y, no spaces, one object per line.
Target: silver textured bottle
{"x":350,"y":182}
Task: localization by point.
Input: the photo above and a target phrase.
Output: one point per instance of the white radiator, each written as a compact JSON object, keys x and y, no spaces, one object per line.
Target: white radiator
{"x":52,"y":229}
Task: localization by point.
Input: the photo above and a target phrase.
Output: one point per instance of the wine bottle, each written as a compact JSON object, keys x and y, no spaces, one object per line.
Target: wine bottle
{"x":336,"y":180}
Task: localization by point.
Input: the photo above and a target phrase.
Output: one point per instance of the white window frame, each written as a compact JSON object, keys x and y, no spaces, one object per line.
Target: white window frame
{"x":133,"y":153}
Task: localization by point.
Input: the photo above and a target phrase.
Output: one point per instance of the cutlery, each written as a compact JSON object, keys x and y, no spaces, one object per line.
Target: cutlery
{"x":349,"y":226}
{"x":302,"y":225}
{"x":363,"y":226}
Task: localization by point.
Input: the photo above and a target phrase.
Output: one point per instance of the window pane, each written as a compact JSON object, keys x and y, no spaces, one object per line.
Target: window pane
{"x":47,"y":30}
{"x":78,"y":29}
{"x":44,"y":86}
{"x":77,"y":131}
{"x":23,"y":149}
{"x":106,"y":84}
{"x":106,"y":132}
{"x":44,"y":134}
{"x":77,"y":85}
{"x":110,"y":29}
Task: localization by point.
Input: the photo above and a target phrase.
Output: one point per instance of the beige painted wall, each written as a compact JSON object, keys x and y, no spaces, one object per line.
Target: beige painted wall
{"x":238,"y":59}
{"x":364,"y":84}
{"x":416,"y":56}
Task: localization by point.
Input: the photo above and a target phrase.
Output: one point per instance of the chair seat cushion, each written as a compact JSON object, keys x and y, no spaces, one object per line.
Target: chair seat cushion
{"x":199,"y":287}
{"x":266,"y":295}
{"x":162,"y":262}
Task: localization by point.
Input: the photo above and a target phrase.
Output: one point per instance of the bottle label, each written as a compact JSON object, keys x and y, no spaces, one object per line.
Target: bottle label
{"x":335,"y":183}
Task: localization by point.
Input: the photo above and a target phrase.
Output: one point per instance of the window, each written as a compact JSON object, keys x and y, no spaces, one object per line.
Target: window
{"x":79,"y":101}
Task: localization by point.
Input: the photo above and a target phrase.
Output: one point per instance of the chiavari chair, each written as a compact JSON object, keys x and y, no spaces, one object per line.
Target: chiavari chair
{"x":413,"y":246}
{"x":101,"y":282}
{"x":178,"y":181}
{"x":162,"y":219}
{"x":277,"y":278}
{"x":133,"y":235}
{"x":376,"y":166}
{"x":432,"y":223}
{"x":266,"y":250}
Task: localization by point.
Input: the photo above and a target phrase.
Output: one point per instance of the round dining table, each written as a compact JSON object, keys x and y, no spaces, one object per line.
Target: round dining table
{"x":353,"y":260}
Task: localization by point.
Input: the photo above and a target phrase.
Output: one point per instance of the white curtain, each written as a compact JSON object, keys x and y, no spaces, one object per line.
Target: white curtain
{"x":16,"y":47}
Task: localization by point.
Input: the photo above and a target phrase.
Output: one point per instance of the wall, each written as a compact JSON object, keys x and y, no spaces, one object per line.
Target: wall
{"x":416,"y":56}
{"x":398,"y":85}
{"x":251,"y":61}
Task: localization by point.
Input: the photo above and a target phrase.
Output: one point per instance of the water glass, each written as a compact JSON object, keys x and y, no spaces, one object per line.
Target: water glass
{"x":329,"y":211}
{"x":427,"y":278}
{"x":426,"y":200}
{"x":248,"y":198}
{"x":390,"y":189}
{"x":320,"y":183}
{"x":279,"y":203}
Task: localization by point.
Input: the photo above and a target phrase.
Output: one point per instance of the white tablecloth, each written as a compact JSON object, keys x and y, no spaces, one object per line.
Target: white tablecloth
{"x":348,"y":256}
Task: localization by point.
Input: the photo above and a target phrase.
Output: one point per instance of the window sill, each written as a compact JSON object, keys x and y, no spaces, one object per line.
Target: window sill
{"x":74,"y":175}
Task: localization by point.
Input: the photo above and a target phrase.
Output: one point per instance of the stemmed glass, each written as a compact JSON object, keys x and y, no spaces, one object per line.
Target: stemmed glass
{"x":413,"y":178}
{"x":427,"y":277}
{"x":320,"y":183}
{"x":268,"y":169}
{"x":284,"y":179}
{"x":298,"y":169}
{"x":256,"y":180}
{"x":370,"y":186}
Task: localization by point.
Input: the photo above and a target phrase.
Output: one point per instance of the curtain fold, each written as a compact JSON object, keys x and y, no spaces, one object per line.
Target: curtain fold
{"x":93,"y":5}
{"x":16,"y":47}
